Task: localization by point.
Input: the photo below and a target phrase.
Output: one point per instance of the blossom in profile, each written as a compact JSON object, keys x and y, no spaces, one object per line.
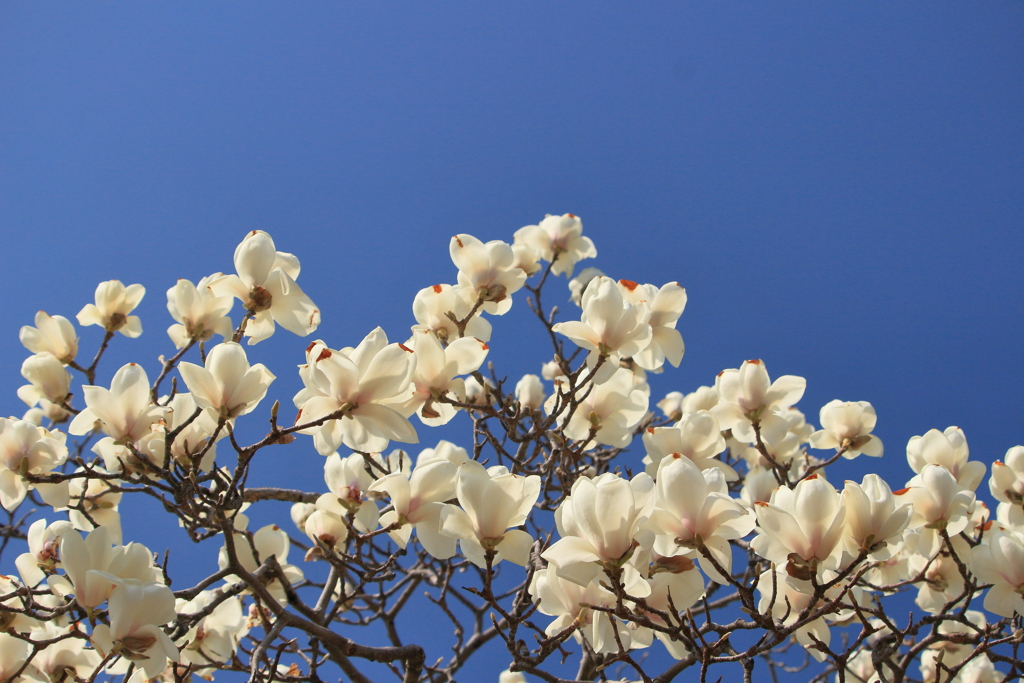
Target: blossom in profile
{"x":265,"y":284}
{"x":491,"y":501}
{"x":610,"y":328}
{"x":26,"y":449}
{"x":137,"y":610}
{"x":846,"y":426}
{"x":488,"y":270}
{"x":111,"y":311}
{"x":435,"y":306}
{"x":747,"y":396}
{"x":599,"y":524}
{"x":801,"y":528}
{"x":227,"y":386}
{"x":124,"y":411}
{"x":417,"y":500}
{"x":52,"y":334}
{"x":694,"y":514}
{"x":200,"y":313}
{"x":666,"y":305}
{"x":49,"y":382}
{"x":361,"y":386}
{"x":999,"y":560}
{"x":558,"y":240}
{"x":947,"y":449}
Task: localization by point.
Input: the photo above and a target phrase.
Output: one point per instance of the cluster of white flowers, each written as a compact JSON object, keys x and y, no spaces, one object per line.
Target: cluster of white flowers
{"x":728,"y":472}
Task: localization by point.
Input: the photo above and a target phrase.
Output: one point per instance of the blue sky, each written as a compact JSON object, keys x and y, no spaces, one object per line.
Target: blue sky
{"x":838,"y":186}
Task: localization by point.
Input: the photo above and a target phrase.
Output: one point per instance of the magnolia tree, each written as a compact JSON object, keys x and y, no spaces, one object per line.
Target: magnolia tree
{"x":723,"y":550}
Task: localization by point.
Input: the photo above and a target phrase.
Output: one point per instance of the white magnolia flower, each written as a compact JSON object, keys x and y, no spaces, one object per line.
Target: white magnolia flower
{"x":943,"y":582}
{"x":99,"y":503}
{"x":873,"y":522}
{"x":269,"y":541}
{"x":600,"y":523}
{"x":530,"y":392}
{"x":67,"y":656}
{"x":610,"y":328}
{"x":432,"y":305}
{"x":215,"y":637}
{"x":124,"y":411}
{"x":610,"y":410}
{"x":265,"y":284}
{"x":999,"y":560}
{"x":571,"y":604}
{"x":666,"y":305}
{"x":26,"y":449}
{"x":200,"y":313}
{"x":846,"y":426}
{"x":748,"y":396}
{"x":93,"y":566}
{"x":50,"y":382}
{"x":801,"y":528}
{"x":1007,"y":481}
{"x":693,"y":513}
{"x":579,"y":284}
{"x":43,"y":554}
{"x":137,"y":610}
{"x":492,"y":501}
{"x":52,"y":334}
{"x":949,"y":450}
{"x":488,"y":270}
{"x":362,"y":384}
{"x":696,"y":436}
{"x":114,"y":302}
{"x":349,"y":483}
{"x":444,"y":451}
{"x":939,"y":502}
{"x":558,"y":240}
{"x":676,"y":585}
{"x":417,"y":501}
{"x":435,"y":376}
{"x":228,"y":386}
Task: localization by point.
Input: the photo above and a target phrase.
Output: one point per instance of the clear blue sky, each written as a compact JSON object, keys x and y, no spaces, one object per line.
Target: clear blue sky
{"x":839,"y":186}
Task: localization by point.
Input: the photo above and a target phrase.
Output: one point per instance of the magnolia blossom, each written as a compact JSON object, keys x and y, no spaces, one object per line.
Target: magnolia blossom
{"x":942,"y":582}
{"x":269,"y":541}
{"x":846,"y":426}
{"x":200,"y":313}
{"x":65,"y":656}
{"x":939,"y":502}
{"x":492,"y":500}
{"x":265,"y":284}
{"x":696,"y":436}
{"x":676,"y":404}
{"x":599,"y":524}
{"x":52,"y":334}
{"x":124,"y":411}
{"x":999,"y":560}
{"x":228,"y":386}
{"x":93,"y":566}
{"x":43,"y":554}
{"x":349,"y":484}
{"x":114,"y":302}
{"x":137,"y":610}
{"x":434,"y":307}
{"x":949,"y":450}
{"x":610,"y":328}
{"x":417,"y":501}
{"x":1007,"y":480}
{"x":571,"y":603}
{"x":873,"y":522}
{"x":558,"y":240}
{"x":608,"y":414}
{"x":26,"y":449}
{"x":99,"y":502}
{"x":435,"y":375}
{"x":13,"y":653}
{"x":694,"y":515}
{"x":801,"y":528}
{"x":530,"y":392}
{"x":215,"y":637}
{"x":748,"y":396}
{"x":49,"y":380}
{"x":488,"y":270}
{"x":666,"y":305}
{"x":360,"y":385}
